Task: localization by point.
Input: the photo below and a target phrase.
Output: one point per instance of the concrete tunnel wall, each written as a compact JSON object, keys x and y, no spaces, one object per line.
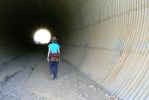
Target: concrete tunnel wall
{"x":107,"y":40}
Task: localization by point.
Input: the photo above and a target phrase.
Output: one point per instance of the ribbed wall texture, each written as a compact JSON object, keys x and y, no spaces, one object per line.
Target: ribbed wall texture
{"x":109,"y":41}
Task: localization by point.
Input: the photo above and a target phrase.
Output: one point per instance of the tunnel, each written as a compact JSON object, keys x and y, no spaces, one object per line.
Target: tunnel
{"x":107,"y":40}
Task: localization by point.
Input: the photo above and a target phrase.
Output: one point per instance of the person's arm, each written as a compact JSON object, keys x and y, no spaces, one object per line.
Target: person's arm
{"x":48,"y":55}
{"x":59,"y":53}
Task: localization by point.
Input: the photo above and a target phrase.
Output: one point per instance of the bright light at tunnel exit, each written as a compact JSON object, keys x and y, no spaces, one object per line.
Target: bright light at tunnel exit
{"x":42,"y":36}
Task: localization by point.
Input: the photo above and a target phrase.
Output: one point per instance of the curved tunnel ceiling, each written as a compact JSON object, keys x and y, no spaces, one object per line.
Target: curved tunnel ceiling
{"x":110,"y":37}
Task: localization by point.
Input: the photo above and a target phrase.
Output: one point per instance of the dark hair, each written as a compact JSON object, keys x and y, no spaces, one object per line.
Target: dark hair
{"x":54,"y":41}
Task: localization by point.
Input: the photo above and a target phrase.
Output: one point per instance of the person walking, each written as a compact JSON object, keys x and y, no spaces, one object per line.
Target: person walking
{"x":53,"y":57}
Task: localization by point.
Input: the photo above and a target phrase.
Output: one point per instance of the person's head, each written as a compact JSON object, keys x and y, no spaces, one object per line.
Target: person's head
{"x":54,"y":39}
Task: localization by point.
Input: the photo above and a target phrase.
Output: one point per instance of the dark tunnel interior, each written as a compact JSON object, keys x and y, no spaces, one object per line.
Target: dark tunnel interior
{"x":20,"y":18}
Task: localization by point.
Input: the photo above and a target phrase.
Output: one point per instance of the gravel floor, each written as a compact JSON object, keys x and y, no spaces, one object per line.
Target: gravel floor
{"x":30,"y":80}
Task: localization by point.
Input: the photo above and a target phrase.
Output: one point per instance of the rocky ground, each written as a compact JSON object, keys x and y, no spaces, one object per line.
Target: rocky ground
{"x":27,"y":77}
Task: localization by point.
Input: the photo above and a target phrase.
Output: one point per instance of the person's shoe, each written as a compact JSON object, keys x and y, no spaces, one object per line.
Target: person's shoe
{"x":52,"y":76}
{"x":55,"y":78}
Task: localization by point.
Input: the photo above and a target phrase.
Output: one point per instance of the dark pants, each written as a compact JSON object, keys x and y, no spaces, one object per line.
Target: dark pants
{"x":53,"y":65}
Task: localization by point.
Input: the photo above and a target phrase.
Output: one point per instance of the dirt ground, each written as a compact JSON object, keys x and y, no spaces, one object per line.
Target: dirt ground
{"x":27,"y":77}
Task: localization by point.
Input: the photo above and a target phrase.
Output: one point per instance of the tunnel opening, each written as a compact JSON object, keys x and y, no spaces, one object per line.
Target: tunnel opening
{"x":19,"y":19}
{"x":106,"y":40}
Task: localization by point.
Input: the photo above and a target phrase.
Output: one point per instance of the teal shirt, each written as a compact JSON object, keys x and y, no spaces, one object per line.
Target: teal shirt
{"x":54,"y":47}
